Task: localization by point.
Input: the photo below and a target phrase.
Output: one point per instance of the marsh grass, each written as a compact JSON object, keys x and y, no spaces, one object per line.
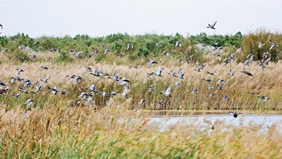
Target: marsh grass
{"x":60,"y":132}
{"x":57,"y":127}
{"x":263,"y":83}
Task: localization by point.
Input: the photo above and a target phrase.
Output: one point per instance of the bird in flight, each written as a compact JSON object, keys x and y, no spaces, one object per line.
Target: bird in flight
{"x":247,"y":72}
{"x":212,"y":26}
{"x":1,"y":26}
{"x":235,"y":115}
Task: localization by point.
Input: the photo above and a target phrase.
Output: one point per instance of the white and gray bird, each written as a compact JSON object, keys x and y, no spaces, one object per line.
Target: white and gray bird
{"x":152,"y":62}
{"x":54,"y":90}
{"x":123,"y":81}
{"x":224,"y":97}
{"x":125,"y":91}
{"x":180,"y":73}
{"x":96,"y":72}
{"x":232,"y":72}
{"x":273,"y":44}
{"x":167,"y":92}
{"x":45,"y":79}
{"x":178,"y":44}
{"x":19,"y":70}
{"x":88,"y":69}
{"x":159,"y":71}
{"x":142,"y":101}
{"x":38,"y":86}
{"x":29,"y":102}
{"x":264,"y":98}
{"x":77,"y":79}
{"x":235,"y":115}
{"x":260,"y":45}
{"x":115,"y":76}
{"x":84,"y":95}
{"x":129,"y":46}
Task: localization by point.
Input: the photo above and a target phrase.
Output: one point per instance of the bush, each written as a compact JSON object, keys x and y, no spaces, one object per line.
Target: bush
{"x":250,"y":44}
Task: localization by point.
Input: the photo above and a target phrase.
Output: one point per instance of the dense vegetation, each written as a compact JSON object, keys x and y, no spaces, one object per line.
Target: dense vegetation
{"x":67,"y":125}
{"x":145,"y":46}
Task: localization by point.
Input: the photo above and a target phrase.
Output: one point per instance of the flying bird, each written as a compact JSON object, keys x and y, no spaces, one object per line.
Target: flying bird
{"x":232,"y":72}
{"x":96,"y":72}
{"x":260,"y":45}
{"x":159,"y":71}
{"x":247,"y":72}
{"x":167,"y":92}
{"x":211,"y":73}
{"x":1,"y":26}
{"x":151,"y":63}
{"x":264,"y":98}
{"x":125,"y":91}
{"x":180,"y":74}
{"x":29,"y":102}
{"x":273,"y":44}
{"x":19,"y":70}
{"x":212,"y":26}
{"x":235,"y":115}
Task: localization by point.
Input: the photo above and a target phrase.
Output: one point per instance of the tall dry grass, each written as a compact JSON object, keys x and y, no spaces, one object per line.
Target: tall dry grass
{"x":109,"y":133}
{"x":56,"y":127}
{"x":263,"y":83}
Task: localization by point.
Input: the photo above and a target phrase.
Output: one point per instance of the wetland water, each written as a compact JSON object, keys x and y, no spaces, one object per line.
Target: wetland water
{"x":202,"y":120}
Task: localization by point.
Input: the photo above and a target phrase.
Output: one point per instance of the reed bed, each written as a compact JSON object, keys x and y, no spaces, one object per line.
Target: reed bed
{"x":55,"y":126}
{"x":237,"y":87}
{"x":57,"y":132}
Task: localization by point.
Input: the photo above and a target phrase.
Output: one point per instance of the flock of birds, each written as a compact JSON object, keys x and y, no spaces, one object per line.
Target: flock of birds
{"x":87,"y":96}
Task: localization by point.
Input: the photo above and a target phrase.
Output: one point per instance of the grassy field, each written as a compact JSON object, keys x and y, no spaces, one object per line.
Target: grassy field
{"x":56,"y":132}
{"x":237,"y":87}
{"x":118,"y":126}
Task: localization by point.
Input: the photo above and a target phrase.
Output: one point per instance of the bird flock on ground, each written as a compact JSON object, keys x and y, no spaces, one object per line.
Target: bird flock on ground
{"x":87,"y":96}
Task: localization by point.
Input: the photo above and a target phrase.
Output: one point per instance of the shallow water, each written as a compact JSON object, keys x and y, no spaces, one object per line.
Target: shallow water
{"x":242,"y":120}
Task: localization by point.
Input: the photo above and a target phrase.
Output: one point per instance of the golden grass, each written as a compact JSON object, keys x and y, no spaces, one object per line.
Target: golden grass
{"x":263,"y":83}
{"x":57,"y":128}
{"x":110,"y":133}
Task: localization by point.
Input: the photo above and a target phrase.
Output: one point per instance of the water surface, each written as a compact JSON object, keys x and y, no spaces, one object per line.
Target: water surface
{"x":266,"y":120}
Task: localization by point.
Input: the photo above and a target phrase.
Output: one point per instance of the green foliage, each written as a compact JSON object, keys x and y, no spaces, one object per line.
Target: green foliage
{"x":63,"y":58}
{"x":251,"y":41}
{"x":218,"y":40}
{"x":145,"y":45}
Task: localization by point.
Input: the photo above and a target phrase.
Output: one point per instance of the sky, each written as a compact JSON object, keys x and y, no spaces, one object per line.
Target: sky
{"x":102,"y":18}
